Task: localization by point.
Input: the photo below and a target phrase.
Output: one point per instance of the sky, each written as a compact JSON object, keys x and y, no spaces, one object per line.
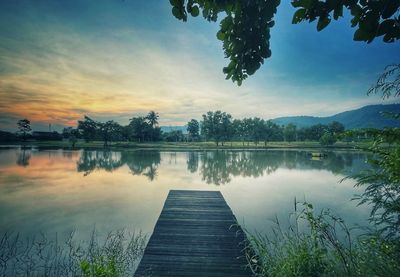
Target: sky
{"x":116,"y":59}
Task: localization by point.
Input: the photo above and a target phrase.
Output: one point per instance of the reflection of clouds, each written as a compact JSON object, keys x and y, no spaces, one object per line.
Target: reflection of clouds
{"x":50,"y":195}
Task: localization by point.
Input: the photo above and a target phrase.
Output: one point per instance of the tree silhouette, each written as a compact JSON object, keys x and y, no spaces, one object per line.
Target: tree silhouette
{"x":24,"y":127}
{"x":152,"y":118}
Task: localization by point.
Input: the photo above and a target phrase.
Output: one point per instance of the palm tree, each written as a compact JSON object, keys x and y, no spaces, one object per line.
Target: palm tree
{"x":152,"y":117}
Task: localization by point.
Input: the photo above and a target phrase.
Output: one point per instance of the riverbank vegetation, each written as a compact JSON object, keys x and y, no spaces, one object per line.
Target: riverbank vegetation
{"x":114,"y":255}
{"x":326,"y":246}
{"x":321,"y":244}
{"x":216,"y":130}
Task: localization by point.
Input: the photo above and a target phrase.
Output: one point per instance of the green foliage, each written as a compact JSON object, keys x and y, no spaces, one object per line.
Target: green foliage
{"x":108,"y":131}
{"x":388,"y":83}
{"x":371,"y":18}
{"x":152,"y":118}
{"x":245,"y":29}
{"x":174,"y":136}
{"x":328,"y":138}
{"x":217,"y":126}
{"x":193,"y":128}
{"x":289,"y":132}
{"x":382,"y":182}
{"x":323,"y":247}
{"x":100,"y":267}
{"x":244,"y":32}
{"x":88,"y":128}
{"x":73,"y":139}
{"x":116,"y":254}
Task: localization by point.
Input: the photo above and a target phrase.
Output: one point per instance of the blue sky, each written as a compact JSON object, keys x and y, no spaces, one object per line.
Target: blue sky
{"x":114,"y":59}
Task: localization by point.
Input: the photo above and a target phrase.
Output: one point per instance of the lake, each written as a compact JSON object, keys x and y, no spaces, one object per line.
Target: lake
{"x":57,"y":191}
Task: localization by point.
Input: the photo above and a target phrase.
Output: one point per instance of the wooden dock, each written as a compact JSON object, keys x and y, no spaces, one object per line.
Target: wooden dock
{"x":195,"y":235}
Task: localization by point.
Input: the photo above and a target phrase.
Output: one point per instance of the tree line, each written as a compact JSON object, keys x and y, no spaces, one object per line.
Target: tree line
{"x":219,"y":127}
{"x":141,"y":129}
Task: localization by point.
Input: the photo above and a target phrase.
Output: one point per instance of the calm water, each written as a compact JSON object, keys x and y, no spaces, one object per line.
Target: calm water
{"x":56,"y":191}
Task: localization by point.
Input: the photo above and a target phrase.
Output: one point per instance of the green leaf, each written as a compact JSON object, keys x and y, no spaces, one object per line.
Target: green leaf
{"x":195,"y":11}
{"x":390,"y":8}
{"x":303,"y":3}
{"x":360,"y":35}
{"x":220,"y":35}
{"x":177,"y":13}
{"x":338,"y":12}
{"x":298,"y":16}
{"x":174,"y":2}
{"x":386,"y":26}
{"x":323,"y":22}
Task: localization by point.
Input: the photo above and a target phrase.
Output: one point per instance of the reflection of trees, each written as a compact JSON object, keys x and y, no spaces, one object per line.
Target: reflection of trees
{"x":218,"y":167}
{"x":96,"y":160}
{"x":139,"y":162}
{"x":23,"y":157}
{"x":142,"y":162}
{"x":192,"y":161}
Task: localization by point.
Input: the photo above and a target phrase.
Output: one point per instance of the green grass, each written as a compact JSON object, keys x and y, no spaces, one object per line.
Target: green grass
{"x":116,"y":254}
{"x":321,"y":246}
{"x":194,"y":145}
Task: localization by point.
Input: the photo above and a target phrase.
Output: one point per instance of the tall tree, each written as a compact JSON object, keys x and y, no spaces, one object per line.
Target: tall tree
{"x":267,"y":131}
{"x":335,"y":127}
{"x":193,"y":128}
{"x":139,"y":128}
{"x":290,"y":132}
{"x":238,"y":130}
{"x":257,"y":130}
{"x":109,"y":131}
{"x":327,"y":139}
{"x":217,"y":126}
{"x":88,"y":128}
{"x":152,"y":118}
{"x":24,"y":127}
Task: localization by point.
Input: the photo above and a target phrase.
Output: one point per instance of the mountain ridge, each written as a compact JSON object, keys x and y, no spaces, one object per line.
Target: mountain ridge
{"x":365,"y":117}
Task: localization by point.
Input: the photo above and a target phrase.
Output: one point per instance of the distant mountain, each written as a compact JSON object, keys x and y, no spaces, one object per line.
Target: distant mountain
{"x":365,"y":117}
{"x":167,"y":129}
{"x":368,"y":116}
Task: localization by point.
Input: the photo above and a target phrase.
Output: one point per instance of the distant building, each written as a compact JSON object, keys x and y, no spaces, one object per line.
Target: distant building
{"x":38,"y":135}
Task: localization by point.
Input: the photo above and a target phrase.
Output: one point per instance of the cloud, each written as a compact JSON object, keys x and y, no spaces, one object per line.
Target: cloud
{"x":56,"y":72}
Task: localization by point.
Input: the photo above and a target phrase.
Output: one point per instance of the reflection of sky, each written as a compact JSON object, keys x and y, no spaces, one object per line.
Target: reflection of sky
{"x":50,"y":195}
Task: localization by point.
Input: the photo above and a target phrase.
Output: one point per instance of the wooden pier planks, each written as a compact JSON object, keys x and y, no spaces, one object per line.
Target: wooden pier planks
{"x":195,"y":235}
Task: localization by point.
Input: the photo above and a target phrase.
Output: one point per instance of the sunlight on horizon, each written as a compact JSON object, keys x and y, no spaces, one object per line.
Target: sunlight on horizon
{"x":57,"y":68}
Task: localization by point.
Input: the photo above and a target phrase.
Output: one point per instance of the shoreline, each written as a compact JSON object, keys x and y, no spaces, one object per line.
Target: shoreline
{"x":187,"y":146}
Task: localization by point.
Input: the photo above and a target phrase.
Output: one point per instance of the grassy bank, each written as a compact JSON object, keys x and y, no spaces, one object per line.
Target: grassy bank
{"x":113,"y":255}
{"x":321,"y":244}
{"x":64,"y":144}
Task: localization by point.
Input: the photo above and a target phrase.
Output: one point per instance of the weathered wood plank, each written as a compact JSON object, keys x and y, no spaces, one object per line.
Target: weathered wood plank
{"x":195,"y":235}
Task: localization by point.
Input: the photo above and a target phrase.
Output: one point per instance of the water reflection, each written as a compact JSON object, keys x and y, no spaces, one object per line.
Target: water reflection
{"x":60,"y":190}
{"x":23,"y":157}
{"x":139,"y":162}
{"x":219,"y":167}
